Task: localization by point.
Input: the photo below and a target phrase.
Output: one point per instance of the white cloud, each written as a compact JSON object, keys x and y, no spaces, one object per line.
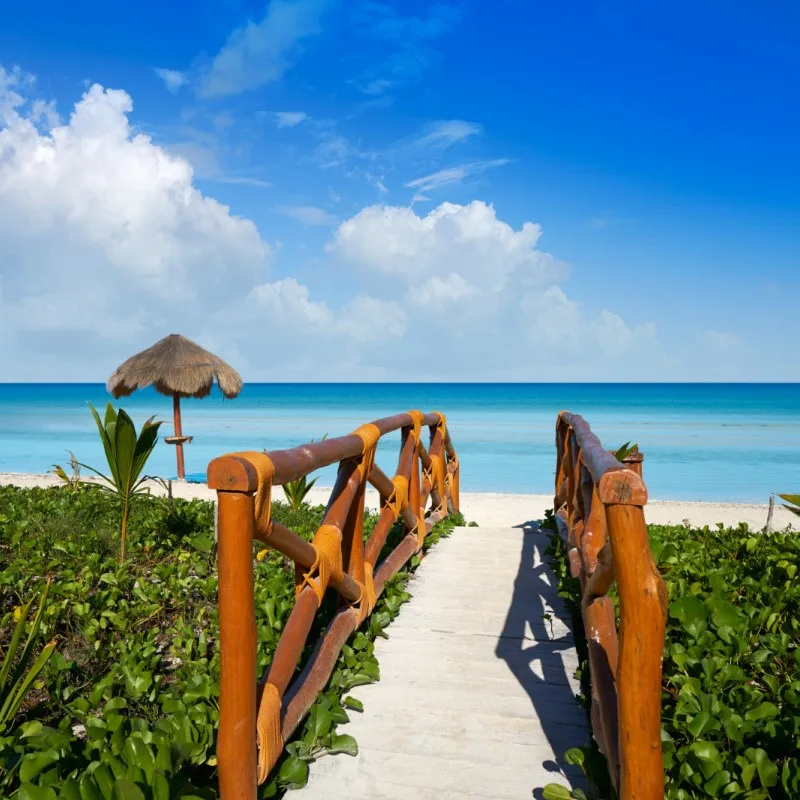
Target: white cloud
{"x":374,"y":88}
{"x":309,"y":215}
{"x":290,"y":119}
{"x":173,"y":79}
{"x":362,"y":321}
{"x":441,"y":293}
{"x":288,"y":301}
{"x":103,"y":231}
{"x":445,"y":133}
{"x":466,"y":240}
{"x":451,"y":175}
{"x":260,"y":52}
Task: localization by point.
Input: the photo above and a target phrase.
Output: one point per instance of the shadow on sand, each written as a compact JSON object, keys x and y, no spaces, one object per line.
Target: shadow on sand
{"x":537,"y":630}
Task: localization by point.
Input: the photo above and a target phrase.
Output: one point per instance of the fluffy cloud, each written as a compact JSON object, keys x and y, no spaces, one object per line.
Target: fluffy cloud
{"x":103,"y":231}
{"x":363,"y":320}
{"x":260,"y":52}
{"x":465,"y":241}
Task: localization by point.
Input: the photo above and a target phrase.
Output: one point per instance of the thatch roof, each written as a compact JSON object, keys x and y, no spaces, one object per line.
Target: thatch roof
{"x":175,"y":365}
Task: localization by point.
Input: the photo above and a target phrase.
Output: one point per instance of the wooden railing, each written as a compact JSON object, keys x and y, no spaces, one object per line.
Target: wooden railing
{"x":256,"y":719}
{"x":599,"y":502}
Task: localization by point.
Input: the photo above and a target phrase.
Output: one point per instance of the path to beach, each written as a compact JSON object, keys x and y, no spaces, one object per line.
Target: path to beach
{"x":509,"y":510}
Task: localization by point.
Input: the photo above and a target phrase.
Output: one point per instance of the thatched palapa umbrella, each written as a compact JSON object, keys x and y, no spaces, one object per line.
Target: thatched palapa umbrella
{"x":176,"y":366}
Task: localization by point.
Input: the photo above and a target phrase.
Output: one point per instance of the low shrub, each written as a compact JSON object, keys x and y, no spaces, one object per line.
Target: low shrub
{"x":731,"y":679}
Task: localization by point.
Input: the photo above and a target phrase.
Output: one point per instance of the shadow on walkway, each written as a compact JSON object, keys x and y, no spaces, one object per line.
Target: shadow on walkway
{"x":537,"y":631}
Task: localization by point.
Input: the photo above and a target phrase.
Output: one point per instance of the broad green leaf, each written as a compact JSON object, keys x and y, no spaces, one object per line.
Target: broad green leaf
{"x":89,"y":790}
{"x":555,"y":791}
{"x":319,"y":721}
{"x":33,"y":763}
{"x":687,"y":609}
{"x":343,"y":743}
{"x":762,"y":711}
{"x":70,"y":790}
{"x":28,"y":791}
{"x":723,"y":613}
{"x":767,"y":770}
{"x":575,"y":756}
{"x":699,"y":723}
{"x":293,"y":773}
{"x":127,"y":790}
{"x":707,"y":756}
{"x":790,"y":777}
{"x":351,"y":702}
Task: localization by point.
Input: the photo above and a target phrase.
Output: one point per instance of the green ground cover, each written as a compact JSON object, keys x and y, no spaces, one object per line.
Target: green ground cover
{"x":731,"y":680}
{"x":127,"y":706}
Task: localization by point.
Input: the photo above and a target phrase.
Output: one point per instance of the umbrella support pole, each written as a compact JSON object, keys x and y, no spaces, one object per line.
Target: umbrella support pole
{"x":176,"y":408}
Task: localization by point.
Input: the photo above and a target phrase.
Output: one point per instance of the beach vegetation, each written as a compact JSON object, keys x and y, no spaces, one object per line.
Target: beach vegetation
{"x":622,"y":452}
{"x":18,"y":668}
{"x":126,"y":454}
{"x":731,"y":670}
{"x":73,"y":479}
{"x":297,"y":490}
{"x":792,"y":502}
{"x":127,"y":704}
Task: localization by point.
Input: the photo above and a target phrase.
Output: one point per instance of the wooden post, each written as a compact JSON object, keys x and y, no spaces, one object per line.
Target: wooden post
{"x":768,"y":527}
{"x":633,"y":461}
{"x":643,"y":618}
{"x":176,"y":413}
{"x":236,"y":744}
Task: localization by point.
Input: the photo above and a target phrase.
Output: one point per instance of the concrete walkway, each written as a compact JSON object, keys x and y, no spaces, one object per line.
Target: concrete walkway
{"x":477,"y":694}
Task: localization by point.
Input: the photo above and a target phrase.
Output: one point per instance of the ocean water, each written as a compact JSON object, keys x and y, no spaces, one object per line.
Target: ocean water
{"x":731,"y":442}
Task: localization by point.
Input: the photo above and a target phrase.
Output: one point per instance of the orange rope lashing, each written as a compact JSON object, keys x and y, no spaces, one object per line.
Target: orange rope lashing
{"x":327,"y":545}
{"x":422,"y":531}
{"x":366,"y":603}
{"x":399,"y":497}
{"x":369,"y":435}
{"x":265,"y":470}
{"x":268,"y":731}
{"x":416,"y":420}
{"x":442,"y":426}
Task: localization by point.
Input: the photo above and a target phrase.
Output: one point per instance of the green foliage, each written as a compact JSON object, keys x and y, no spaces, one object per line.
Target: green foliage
{"x":128,"y":704}
{"x":17,"y":673}
{"x":297,"y":490}
{"x":126,"y":454}
{"x":625,"y":450}
{"x":792,"y":502}
{"x":74,"y":480}
{"x":731,"y":683}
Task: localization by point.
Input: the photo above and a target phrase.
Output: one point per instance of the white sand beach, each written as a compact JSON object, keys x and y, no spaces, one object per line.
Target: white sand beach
{"x":506,"y":510}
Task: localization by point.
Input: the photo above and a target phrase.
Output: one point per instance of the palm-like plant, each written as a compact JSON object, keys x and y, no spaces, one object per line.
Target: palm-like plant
{"x":127,"y":454}
{"x":792,"y":502}
{"x":297,"y":490}
{"x":17,"y":679}
{"x":73,"y":481}
{"x":623,"y":452}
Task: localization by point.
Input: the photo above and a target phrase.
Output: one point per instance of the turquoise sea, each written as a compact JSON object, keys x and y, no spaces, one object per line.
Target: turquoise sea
{"x":733,"y":442}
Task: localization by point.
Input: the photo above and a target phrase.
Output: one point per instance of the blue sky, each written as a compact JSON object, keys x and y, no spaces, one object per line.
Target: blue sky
{"x":362,"y":174}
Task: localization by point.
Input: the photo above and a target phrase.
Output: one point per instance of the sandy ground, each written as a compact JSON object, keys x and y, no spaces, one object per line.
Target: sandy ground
{"x":508,"y":510}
